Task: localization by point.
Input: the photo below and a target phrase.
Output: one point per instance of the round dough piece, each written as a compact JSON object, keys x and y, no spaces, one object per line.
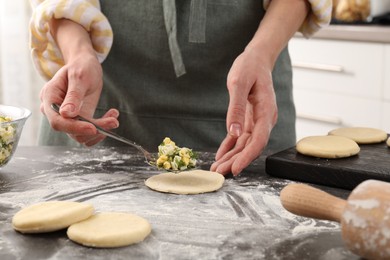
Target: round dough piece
{"x":361,"y":135}
{"x":328,"y":146}
{"x":110,"y":229}
{"x":388,"y":142}
{"x":188,"y":182}
{"x":50,"y":216}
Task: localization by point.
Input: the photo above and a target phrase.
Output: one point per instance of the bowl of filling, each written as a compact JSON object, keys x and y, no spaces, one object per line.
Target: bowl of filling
{"x":12,"y":120}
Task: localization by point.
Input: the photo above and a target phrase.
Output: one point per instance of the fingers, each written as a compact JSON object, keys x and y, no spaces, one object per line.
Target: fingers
{"x":245,"y":151}
{"x":224,"y":163}
{"x":252,"y":113}
{"x":224,"y":167}
{"x":81,"y":85}
{"x":70,"y":126}
{"x":76,"y":87}
{"x":109,"y":121}
{"x":234,"y":155}
{"x":252,"y":150}
{"x":53,"y":91}
{"x":239,"y":84}
{"x":76,"y":91}
{"x":95,"y":140}
{"x":88,"y":140}
{"x":227,"y":144}
{"x":235,"y":119}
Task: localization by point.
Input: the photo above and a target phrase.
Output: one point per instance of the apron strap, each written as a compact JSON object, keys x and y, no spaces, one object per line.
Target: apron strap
{"x":169,"y":7}
{"x":197,"y":29}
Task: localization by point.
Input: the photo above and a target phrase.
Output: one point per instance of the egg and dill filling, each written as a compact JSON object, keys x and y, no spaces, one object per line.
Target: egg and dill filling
{"x":7,"y":135}
{"x":172,"y":157}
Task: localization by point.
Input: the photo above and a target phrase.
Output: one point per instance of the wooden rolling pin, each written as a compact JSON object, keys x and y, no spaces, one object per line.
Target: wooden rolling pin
{"x":364,"y":216}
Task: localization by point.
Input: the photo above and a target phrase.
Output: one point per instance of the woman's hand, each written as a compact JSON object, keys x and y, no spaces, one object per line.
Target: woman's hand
{"x":76,"y":86}
{"x":252,"y":113}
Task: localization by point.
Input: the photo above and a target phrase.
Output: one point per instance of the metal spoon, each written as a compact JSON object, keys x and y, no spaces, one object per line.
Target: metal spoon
{"x":149,"y":157}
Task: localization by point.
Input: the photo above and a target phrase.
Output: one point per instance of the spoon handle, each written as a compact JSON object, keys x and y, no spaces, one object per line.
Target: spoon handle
{"x":108,"y":133}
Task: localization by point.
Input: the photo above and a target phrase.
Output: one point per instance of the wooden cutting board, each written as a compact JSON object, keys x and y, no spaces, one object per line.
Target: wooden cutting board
{"x":372,"y":162}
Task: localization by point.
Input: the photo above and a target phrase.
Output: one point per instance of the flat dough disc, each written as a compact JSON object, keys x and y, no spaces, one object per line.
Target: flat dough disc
{"x":110,"y":229}
{"x":388,"y":142}
{"x":361,"y":135}
{"x":189,"y":182}
{"x":50,"y":216}
{"x":327,"y":146}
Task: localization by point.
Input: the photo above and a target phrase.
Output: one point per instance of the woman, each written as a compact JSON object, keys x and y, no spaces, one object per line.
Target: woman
{"x":167,"y":69}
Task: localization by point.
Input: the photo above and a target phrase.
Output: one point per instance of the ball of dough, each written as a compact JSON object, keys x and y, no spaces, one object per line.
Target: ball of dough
{"x":328,"y":146}
{"x":50,"y":216}
{"x":388,"y":142}
{"x":110,"y":229}
{"x":361,"y":135}
{"x":188,"y":182}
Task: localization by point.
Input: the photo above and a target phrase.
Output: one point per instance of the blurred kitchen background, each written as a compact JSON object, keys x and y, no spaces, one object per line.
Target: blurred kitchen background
{"x":19,"y":83}
{"x":341,"y":75}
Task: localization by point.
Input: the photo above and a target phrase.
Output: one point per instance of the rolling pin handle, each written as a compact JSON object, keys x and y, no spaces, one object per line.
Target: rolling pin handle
{"x":306,"y":201}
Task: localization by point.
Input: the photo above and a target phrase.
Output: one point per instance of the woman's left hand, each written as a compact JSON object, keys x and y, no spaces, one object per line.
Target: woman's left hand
{"x":252,"y":112}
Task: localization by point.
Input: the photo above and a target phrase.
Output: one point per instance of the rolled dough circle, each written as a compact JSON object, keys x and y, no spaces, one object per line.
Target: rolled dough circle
{"x":361,"y":135}
{"x":50,"y":216}
{"x":189,"y":182}
{"x":328,"y":146}
{"x":110,"y":229}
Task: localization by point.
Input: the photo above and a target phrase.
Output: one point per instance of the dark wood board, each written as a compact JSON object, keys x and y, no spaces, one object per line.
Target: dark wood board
{"x":372,"y":162}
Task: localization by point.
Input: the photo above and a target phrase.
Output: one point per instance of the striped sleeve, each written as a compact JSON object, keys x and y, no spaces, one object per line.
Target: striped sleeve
{"x":46,"y":55}
{"x":319,"y":16}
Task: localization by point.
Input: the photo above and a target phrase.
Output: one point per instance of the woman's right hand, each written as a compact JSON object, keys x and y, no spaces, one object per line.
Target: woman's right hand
{"x":76,"y":87}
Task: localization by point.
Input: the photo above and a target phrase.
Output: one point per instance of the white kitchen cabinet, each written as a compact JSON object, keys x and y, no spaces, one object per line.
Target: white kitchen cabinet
{"x":319,"y":112}
{"x":340,"y":83}
{"x":386,"y":116}
{"x":387,"y":74}
{"x":340,"y":67}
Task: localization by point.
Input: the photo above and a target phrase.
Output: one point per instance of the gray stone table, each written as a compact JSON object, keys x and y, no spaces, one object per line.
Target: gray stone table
{"x":243,"y":220}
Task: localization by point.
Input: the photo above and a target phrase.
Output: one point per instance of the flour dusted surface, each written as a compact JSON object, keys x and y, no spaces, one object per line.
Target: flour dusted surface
{"x":242,"y":220}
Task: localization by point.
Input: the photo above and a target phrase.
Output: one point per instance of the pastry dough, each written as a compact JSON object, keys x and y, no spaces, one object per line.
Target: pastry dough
{"x":388,"y":142}
{"x":327,"y":146}
{"x":110,"y":229}
{"x":50,"y":216}
{"x":188,"y":182}
{"x":361,"y":135}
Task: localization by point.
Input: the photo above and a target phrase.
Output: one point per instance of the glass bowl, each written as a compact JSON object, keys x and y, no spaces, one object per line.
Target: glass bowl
{"x":12,"y":120}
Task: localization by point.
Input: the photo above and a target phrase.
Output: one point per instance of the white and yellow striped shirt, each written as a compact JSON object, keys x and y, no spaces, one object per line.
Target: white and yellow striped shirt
{"x":48,"y":59}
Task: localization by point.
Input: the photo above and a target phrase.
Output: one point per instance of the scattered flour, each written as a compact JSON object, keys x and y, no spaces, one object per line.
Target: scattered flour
{"x":245,"y":214}
{"x":364,"y":204}
{"x":351,"y":218}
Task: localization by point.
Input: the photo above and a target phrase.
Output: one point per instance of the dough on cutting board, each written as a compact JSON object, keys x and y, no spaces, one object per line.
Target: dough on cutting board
{"x":327,"y":146}
{"x":388,"y":142}
{"x":50,"y":216}
{"x":361,"y":135}
{"x":110,"y":229}
{"x":188,"y":182}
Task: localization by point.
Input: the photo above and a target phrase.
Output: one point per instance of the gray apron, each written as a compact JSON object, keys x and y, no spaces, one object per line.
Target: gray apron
{"x":166,"y":72}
